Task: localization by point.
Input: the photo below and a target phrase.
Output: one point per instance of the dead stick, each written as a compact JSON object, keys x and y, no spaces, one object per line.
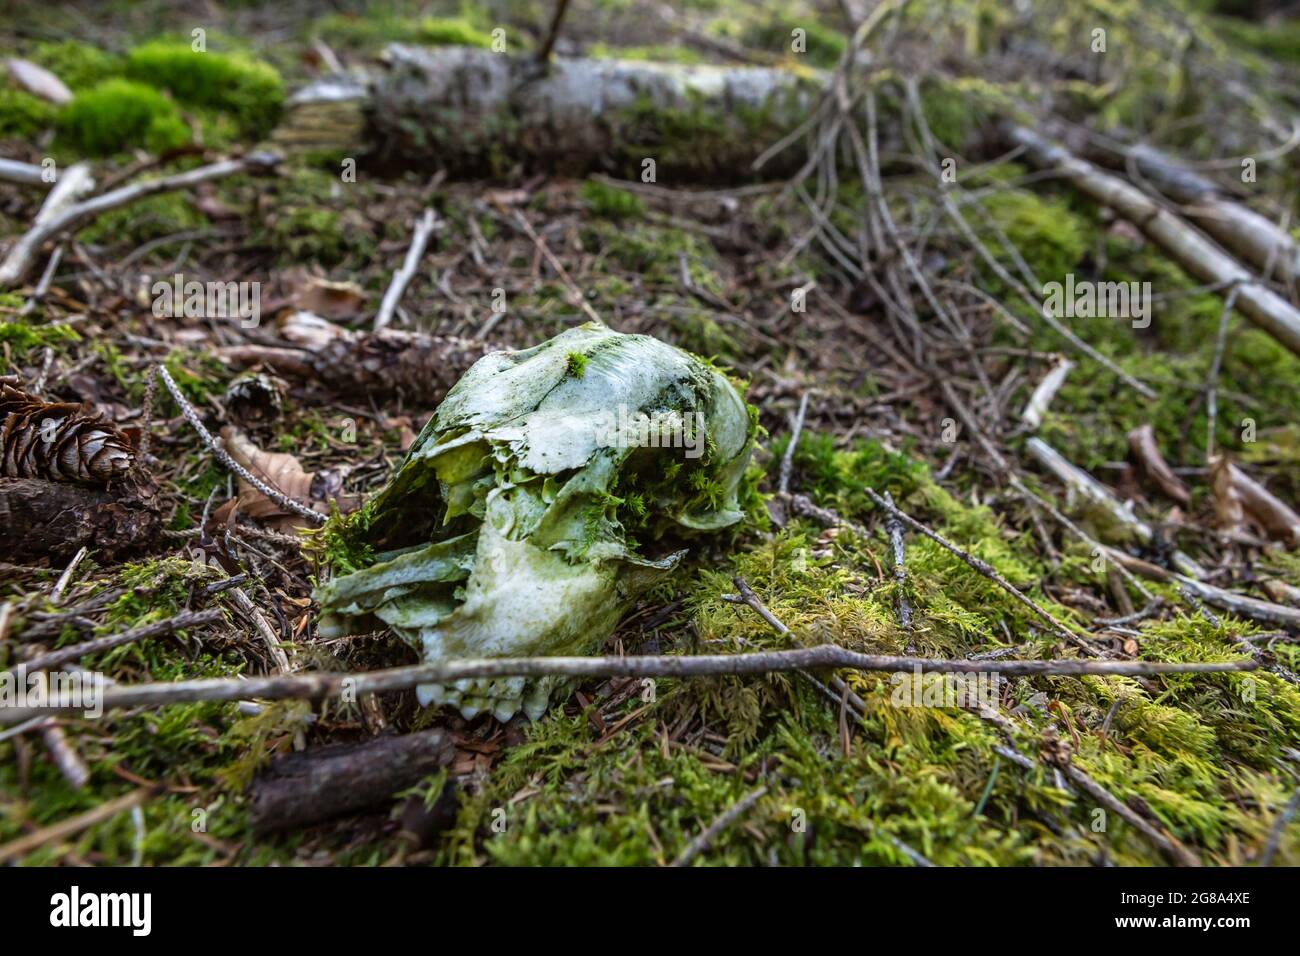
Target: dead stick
{"x":191,"y":416}
{"x":72,"y":826}
{"x":424,"y":229}
{"x":552,"y":32}
{"x":724,"y":820}
{"x":1166,"y":844}
{"x":752,"y":600}
{"x":900,"y":571}
{"x":787,"y":460}
{"x":558,"y":266}
{"x":302,"y":788}
{"x":73,"y":652}
{"x":830,"y":656}
{"x":983,"y":567}
{"x":23,"y":253}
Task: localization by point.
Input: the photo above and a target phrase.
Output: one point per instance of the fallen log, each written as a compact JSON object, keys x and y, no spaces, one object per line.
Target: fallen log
{"x":474,"y":111}
{"x":1186,"y":245}
{"x":303,"y":788}
{"x":54,"y":519}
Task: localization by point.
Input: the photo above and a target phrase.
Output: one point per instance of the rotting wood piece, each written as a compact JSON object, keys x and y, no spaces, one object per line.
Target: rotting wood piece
{"x":302,"y":788}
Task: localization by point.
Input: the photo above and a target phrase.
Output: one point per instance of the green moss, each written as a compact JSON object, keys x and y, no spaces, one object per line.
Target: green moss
{"x":26,"y":338}
{"x":648,"y":54}
{"x":823,"y":45}
{"x":23,"y":116}
{"x":577,"y":365}
{"x":312,"y":221}
{"x":118,"y":115}
{"x":154,"y":217}
{"x":250,"y":91}
{"x":455,"y":31}
{"x":610,"y":202}
{"x":79,"y":65}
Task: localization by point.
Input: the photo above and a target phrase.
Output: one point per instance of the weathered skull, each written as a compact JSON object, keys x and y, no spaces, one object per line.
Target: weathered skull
{"x":518,"y":522}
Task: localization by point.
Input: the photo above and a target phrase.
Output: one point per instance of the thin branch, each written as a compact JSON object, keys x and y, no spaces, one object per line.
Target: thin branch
{"x":552,"y":32}
{"x":97,"y":645}
{"x":895,"y":530}
{"x":580,"y":300}
{"x":828,"y":656}
{"x":983,"y":567}
{"x":73,"y":825}
{"x":23,"y":252}
{"x":841,"y":691}
{"x":787,"y":460}
{"x":191,"y":416}
{"x":424,"y":229}
{"x":724,"y":820}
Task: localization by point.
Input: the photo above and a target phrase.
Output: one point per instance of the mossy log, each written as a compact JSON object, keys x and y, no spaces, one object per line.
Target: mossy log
{"x":472,"y":110}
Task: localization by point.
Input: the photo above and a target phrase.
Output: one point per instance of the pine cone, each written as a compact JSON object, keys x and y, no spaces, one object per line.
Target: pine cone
{"x":58,"y":441}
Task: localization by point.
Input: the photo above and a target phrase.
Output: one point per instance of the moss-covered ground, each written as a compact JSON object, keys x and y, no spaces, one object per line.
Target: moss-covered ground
{"x":621,"y":772}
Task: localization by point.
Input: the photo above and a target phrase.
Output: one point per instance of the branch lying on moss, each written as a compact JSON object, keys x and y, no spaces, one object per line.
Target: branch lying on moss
{"x":97,"y":645}
{"x":302,"y":788}
{"x":325,"y":685}
{"x":984,"y":568}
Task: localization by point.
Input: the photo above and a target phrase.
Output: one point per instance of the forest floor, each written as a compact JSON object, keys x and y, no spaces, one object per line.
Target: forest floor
{"x":1208,"y":763}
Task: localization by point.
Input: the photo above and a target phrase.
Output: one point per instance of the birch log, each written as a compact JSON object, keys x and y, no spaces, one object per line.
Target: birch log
{"x":475,"y":110}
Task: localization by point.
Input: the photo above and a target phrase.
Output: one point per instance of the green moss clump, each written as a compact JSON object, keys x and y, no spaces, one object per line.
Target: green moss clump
{"x":249,"y":90}
{"x":151,"y":218}
{"x":610,"y":202}
{"x":79,"y":65}
{"x":23,"y":116}
{"x":26,"y":338}
{"x":118,"y":115}
{"x":577,"y":365}
{"x":823,"y":45}
{"x":647,"y":54}
{"x":451,"y":31}
{"x":1052,"y":238}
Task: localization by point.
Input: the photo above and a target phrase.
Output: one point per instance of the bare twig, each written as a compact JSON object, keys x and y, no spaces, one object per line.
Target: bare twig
{"x":424,"y":229}
{"x":552,"y":32}
{"x":23,"y":252}
{"x":1279,"y":827}
{"x":191,"y":416}
{"x":1042,"y":397}
{"x":72,"y":826}
{"x":787,"y":460}
{"x":28,"y":174}
{"x":900,"y":570}
{"x":579,"y":299}
{"x":65,"y":755}
{"x":829,"y":656}
{"x":983,"y":567}
{"x":724,"y":820}
{"x":258,"y":620}
{"x":842,"y":692}
{"x":72,"y":652}
{"x":61,"y":585}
